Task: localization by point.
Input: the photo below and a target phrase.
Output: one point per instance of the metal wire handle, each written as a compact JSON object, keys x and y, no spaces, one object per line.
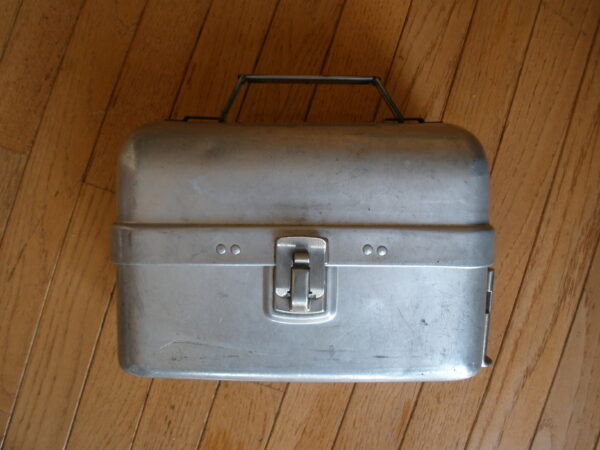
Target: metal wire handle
{"x":307,"y":79}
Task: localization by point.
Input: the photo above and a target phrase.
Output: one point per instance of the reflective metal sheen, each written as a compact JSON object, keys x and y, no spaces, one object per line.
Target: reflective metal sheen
{"x":303,"y":253}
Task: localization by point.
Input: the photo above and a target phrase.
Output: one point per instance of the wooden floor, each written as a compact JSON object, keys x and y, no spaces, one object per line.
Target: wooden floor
{"x":76,"y":76}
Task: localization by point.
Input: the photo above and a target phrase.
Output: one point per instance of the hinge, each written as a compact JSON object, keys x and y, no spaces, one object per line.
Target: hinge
{"x":487,"y":361}
{"x":300,"y":275}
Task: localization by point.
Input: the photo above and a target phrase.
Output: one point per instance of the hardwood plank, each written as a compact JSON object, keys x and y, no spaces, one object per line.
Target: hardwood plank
{"x":153,"y":72}
{"x":12,"y":165}
{"x":175,"y":414}
{"x":302,"y":425}
{"x":352,"y":50}
{"x":275,"y":405}
{"x":43,"y":27}
{"x":110,"y":410}
{"x":351,"y":20}
{"x":489,"y":69}
{"x":228,"y":427}
{"x":210,"y":84}
{"x":194,"y":87}
{"x":304,"y":30}
{"x":110,"y":405}
{"x":10,"y":9}
{"x":278,"y":386}
{"x":377,"y":416}
{"x":52,"y":178}
{"x":571,"y":417}
{"x":270,"y":61}
{"x":427,"y":57}
{"x":364,"y":44}
{"x":554,"y":280}
{"x":535,"y":135}
{"x":132,"y":404}
{"x":242,"y":417}
{"x":68,"y":329}
{"x":420,"y":80}
{"x":231,"y":40}
{"x":520,"y":183}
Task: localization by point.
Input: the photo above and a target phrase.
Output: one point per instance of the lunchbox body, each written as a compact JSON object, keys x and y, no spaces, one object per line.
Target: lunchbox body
{"x":303,"y":253}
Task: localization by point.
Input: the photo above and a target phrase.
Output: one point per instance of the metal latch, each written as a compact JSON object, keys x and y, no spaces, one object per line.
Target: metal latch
{"x":300,"y":275}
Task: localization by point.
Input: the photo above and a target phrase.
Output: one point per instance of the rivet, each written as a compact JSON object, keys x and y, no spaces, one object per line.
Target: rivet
{"x":235,"y":249}
{"x":381,"y":250}
{"x":221,"y":249}
{"x":367,"y":250}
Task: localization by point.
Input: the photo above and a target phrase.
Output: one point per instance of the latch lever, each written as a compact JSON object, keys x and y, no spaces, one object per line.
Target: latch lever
{"x":300,"y":275}
{"x":300,"y":286}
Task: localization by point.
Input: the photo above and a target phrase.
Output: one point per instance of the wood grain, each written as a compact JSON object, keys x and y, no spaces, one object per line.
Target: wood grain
{"x":510,"y":72}
{"x":553,"y":283}
{"x":352,"y":52}
{"x":12,"y":165}
{"x":489,"y":69}
{"x":571,"y":417}
{"x":364,"y":44}
{"x":314,"y":426}
{"x":242,"y":417}
{"x":305,"y":30}
{"x":110,"y":406}
{"x":186,"y":414}
{"x":229,"y":45}
{"x":268,"y":398}
{"x":51,"y":182}
{"x":377,"y":415}
{"x":29,"y":65}
{"x":172,"y":38}
{"x":10,"y":9}
{"x":427,"y":57}
{"x":148,"y":85}
{"x":521,"y":179}
{"x":175,"y":414}
{"x":63,"y":346}
{"x":351,"y":19}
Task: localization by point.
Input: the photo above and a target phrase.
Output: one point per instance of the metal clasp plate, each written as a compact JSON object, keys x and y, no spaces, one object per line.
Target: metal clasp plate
{"x":300,"y":275}
{"x":487,"y":361}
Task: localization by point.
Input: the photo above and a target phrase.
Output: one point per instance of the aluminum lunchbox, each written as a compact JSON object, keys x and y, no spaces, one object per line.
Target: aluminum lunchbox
{"x":303,"y":252}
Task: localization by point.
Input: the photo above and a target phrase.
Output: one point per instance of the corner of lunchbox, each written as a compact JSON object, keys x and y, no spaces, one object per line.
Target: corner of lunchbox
{"x":460,"y":372}
{"x":475,"y":148}
{"x":136,"y":370}
{"x":471,"y":370}
{"x":470,"y":146}
{"x":143,"y":138}
{"x":128,"y":168}
{"x":130,"y":364}
{"x":128,"y":154}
